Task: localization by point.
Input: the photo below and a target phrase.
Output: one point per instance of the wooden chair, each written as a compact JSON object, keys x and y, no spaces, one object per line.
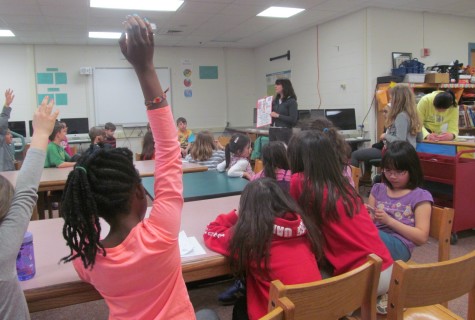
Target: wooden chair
{"x":276,"y":314}
{"x":416,"y":291}
{"x":355,"y":175}
{"x":258,"y":165}
{"x":330,"y":298}
{"x":224,"y":140}
{"x":138,"y":156}
{"x":441,"y":220}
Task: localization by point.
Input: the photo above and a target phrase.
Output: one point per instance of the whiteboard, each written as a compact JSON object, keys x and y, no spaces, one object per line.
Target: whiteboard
{"x":118,"y":97}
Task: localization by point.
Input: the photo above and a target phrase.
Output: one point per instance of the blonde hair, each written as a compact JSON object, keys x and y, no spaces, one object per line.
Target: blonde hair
{"x":203,"y":147}
{"x":6,"y":196}
{"x":403,"y":100}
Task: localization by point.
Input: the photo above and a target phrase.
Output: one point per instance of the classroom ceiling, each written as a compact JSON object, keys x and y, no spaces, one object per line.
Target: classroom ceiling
{"x":198,"y":23}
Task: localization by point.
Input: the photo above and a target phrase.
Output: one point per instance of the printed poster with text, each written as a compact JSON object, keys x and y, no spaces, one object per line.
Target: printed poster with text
{"x":264,"y":109}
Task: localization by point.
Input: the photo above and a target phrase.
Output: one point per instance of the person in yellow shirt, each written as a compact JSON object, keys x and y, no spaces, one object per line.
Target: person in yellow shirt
{"x":185,"y":136}
{"x":438,"y":112}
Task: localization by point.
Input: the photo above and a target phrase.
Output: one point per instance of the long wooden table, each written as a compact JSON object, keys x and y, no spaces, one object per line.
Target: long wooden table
{"x":57,"y":285}
{"x":53,"y":179}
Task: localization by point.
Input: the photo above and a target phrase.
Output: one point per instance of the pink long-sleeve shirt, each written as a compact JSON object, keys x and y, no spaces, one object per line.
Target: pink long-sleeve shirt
{"x":142,"y":278}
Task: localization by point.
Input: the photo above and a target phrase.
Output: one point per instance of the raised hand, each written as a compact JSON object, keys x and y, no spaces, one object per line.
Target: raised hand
{"x":137,"y":47}
{"x":43,"y":123}
{"x":9,"y":96}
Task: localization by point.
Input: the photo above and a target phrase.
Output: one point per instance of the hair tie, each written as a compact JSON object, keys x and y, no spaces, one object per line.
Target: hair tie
{"x":236,"y":140}
{"x":81,"y":168}
{"x":325,"y":130}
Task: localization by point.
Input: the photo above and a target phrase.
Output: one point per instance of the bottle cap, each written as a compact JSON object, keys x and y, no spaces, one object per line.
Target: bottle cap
{"x":28,"y":237}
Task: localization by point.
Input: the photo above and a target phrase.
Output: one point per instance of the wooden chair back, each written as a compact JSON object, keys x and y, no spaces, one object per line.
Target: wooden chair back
{"x":330,"y":298}
{"x":138,"y":156}
{"x":418,"y":290}
{"x":441,"y":220}
{"x":355,"y":175}
{"x":276,"y":314}
{"x":258,"y":165}
{"x":224,"y":140}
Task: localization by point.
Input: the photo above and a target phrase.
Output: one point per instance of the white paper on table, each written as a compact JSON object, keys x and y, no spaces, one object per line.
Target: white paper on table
{"x":189,"y":246}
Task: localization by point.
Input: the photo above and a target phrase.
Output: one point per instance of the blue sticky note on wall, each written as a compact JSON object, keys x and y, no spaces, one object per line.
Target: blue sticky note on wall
{"x":44,"y":78}
{"x":208,"y":72}
{"x":61,"y":99}
{"x":41,"y":97}
{"x":60,"y":78}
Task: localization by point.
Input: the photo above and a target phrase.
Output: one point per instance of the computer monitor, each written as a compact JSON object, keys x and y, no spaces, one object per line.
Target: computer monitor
{"x":344,"y":119}
{"x":77,"y":125}
{"x":17,"y":126}
{"x":304,"y":114}
{"x":317,"y":113}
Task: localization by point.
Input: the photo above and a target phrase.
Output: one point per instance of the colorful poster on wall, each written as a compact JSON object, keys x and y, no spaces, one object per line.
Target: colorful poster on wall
{"x":52,"y":83}
{"x":271,"y":77}
{"x":264,"y":109}
{"x":187,"y":71}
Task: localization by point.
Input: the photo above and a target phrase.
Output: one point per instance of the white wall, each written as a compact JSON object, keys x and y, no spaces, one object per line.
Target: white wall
{"x":206,"y":109}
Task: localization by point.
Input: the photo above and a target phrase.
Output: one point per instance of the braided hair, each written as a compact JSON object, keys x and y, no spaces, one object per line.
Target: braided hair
{"x":100,"y":185}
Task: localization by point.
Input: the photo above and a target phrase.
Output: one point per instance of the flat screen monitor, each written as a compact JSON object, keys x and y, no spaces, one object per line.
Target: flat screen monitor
{"x":304,"y":114}
{"x":77,"y":125}
{"x":17,"y":126}
{"x":317,"y":113}
{"x":344,"y":119}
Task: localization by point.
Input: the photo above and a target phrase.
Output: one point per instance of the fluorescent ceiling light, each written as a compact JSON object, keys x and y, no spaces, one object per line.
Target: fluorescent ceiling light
{"x":6,"y":33}
{"x":146,"y":5}
{"x":104,"y":35}
{"x":280,"y":12}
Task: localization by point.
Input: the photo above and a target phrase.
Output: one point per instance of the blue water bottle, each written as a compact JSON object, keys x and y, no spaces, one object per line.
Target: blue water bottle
{"x":25,"y":261}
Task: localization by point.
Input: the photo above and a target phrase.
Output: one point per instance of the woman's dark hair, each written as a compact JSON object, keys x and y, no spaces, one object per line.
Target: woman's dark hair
{"x":325,"y":126}
{"x":274,"y":156}
{"x":148,"y":147}
{"x":445,"y":100}
{"x":99,"y":186}
{"x":312,"y":153}
{"x":401,"y":155}
{"x":287,"y":89}
{"x":236,"y":146}
{"x":261,"y":202}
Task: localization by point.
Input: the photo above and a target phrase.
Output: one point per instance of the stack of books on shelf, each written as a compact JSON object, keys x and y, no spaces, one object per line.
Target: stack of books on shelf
{"x":466,"y":116}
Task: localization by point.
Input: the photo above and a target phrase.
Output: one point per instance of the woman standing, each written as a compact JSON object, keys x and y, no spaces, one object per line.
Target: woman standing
{"x":284,"y":111}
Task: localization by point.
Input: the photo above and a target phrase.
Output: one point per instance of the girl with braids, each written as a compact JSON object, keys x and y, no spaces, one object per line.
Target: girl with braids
{"x":237,"y":153}
{"x":341,"y":147}
{"x":439,"y":114}
{"x":16,"y":206}
{"x":333,"y":206}
{"x":267,"y":240}
{"x":136,"y":267}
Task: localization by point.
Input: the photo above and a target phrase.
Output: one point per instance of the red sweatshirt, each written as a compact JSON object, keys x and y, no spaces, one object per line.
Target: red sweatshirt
{"x":349,"y":241}
{"x":291,"y":258}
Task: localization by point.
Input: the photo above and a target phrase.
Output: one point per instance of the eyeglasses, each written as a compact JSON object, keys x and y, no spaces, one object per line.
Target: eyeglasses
{"x":396,"y":173}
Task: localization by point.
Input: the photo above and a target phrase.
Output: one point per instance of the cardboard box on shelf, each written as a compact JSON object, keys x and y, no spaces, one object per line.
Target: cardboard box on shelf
{"x":437,"y":78}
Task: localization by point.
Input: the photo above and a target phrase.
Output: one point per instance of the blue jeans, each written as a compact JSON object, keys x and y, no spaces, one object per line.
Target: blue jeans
{"x":395,"y":246}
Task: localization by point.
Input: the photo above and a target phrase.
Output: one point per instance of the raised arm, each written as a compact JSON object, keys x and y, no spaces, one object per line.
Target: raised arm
{"x":138,"y":48}
{"x":5,"y":115}
{"x":15,"y":223}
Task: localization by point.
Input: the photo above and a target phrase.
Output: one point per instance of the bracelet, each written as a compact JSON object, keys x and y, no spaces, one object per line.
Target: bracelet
{"x":156,"y":100}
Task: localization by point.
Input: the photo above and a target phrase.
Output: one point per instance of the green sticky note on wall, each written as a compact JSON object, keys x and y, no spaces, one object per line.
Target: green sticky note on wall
{"x":60,"y":78}
{"x":208,"y":72}
{"x":44,"y":78}
{"x":61,"y":99}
